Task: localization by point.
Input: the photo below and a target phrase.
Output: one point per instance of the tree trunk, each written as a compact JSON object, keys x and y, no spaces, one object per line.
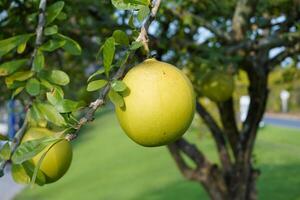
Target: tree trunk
{"x":229,"y":191}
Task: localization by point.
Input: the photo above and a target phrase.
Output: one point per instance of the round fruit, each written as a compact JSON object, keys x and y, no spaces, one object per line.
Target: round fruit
{"x":218,"y":86}
{"x":159,"y":106}
{"x":58,"y":159}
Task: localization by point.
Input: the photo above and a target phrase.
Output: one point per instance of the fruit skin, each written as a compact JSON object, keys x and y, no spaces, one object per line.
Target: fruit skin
{"x":217,"y":86}
{"x":160,"y":105}
{"x":58,"y":159}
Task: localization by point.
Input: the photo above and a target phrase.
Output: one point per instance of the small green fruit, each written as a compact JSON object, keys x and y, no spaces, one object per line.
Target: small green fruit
{"x":217,"y":86}
{"x":58,"y":159}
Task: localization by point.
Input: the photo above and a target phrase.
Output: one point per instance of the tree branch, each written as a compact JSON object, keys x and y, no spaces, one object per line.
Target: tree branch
{"x":240,"y":21}
{"x":39,"y":29}
{"x":222,"y":35}
{"x":227,"y":115}
{"x":217,"y":135}
{"x":143,"y":37}
{"x":258,"y":92}
{"x":195,"y":155}
{"x":276,"y":60}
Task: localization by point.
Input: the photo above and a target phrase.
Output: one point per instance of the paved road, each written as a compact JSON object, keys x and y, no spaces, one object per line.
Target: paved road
{"x":291,"y":123}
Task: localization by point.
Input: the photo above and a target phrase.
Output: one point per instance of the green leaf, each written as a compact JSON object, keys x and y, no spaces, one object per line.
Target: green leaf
{"x":124,"y":59}
{"x":27,"y":150}
{"x":121,"y":37}
{"x":3,"y":138}
{"x":17,"y":91}
{"x":54,"y":97}
{"x":98,"y":72}
{"x":96,"y":85}
{"x":62,"y":16}
{"x":51,"y":114}
{"x":51,"y":30}
{"x":99,"y":52}
{"x":53,"y":11}
{"x":35,"y":117}
{"x":135,"y":45}
{"x":58,"y":77}
{"x":5,"y":152}
{"x":139,"y":2}
{"x":128,"y":5}
{"x":33,"y":87}
{"x":10,"y":67}
{"x":46,"y":84}
{"x":66,"y":106}
{"x":71,"y":46}
{"x":118,"y":86}
{"x":130,"y":21}
{"x":18,"y":76}
{"x":108,"y":54}
{"x":143,"y":13}
{"x":116,"y":98}
{"x":19,"y":174}
{"x":9,"y":44}
{"x":52,"y":45}
{"x":29,"y":168}
{"x":21,"y":48}
{"x":38,"y":61}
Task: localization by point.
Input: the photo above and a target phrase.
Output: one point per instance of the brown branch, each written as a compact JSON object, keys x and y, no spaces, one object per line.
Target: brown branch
{"x":258,"y":92}
{"x":190,"y":150}
{"x":143,"y":36}
{"x":217,"y":135}
{"x":266,"y":43}
{"x":240,"y":21}
{"x":227,"y":115}
{"x":222,"y":35}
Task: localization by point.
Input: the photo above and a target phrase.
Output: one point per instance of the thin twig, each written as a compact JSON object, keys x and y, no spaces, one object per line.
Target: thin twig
{"x":143,"y":36}
{"x":217,"y":134}
{"x":39,"y":29}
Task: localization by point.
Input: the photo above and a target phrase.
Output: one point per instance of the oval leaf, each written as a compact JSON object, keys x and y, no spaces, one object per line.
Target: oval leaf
{"x":33,"y":87}
{"x":71,"y":46}
{"x":53,"y":11}
{"x":39,"y":61}
{"x":58,"y":77}
{"x":10,"y":67}
{"x":108,"y":54}
{"x":96,"y":85}
{"x":118,"y":86}
{"x":51,"y":114}
{"x":116,"y":98}
{"x":31,"y":148}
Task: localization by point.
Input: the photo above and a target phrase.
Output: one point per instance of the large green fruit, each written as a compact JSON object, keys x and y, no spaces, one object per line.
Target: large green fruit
{"x":58,"y":159}
{"x":218,"y":86}
{"x":160,"y":105}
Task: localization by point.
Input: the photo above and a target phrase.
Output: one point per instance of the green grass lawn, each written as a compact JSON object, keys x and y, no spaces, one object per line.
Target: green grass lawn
{"x":109,"y":166}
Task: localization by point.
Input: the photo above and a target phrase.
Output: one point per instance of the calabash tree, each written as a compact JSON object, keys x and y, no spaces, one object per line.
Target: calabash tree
{"x":41,"y":40}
